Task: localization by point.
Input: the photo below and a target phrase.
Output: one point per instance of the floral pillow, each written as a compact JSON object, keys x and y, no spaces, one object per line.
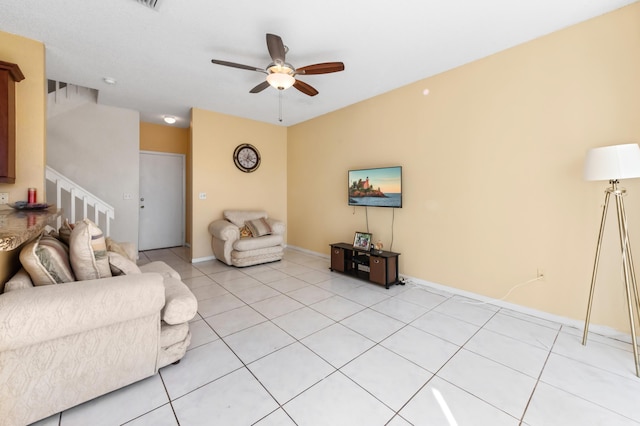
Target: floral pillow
{"x":245,"y":232}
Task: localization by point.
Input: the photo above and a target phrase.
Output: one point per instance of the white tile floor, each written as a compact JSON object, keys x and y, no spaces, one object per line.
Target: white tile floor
{"x":291,"y":343}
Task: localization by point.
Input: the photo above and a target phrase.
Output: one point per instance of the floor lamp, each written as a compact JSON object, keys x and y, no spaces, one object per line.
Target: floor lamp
{"x":613,"y":163}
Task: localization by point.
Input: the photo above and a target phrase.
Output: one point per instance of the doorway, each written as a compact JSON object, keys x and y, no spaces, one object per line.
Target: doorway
{"x":162,"y":202}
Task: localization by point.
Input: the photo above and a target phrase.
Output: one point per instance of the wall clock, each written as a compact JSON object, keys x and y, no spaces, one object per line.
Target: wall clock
{"x":246,"y":157}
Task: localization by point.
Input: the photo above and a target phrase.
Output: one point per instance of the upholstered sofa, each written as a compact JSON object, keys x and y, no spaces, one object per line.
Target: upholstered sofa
{"x":64,"y":344}
{"x":247,"y":237}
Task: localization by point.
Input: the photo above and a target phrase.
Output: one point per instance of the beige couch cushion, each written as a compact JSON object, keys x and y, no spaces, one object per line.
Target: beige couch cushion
{"x":247,"y":244}
{"x":88,"y":251}
{"x":172,"y":334}
{"x":47,"y":261}
{"x":239,"y":217}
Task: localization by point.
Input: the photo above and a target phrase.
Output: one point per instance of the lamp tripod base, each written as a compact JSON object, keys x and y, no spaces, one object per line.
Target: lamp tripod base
{"x":633,"y":302}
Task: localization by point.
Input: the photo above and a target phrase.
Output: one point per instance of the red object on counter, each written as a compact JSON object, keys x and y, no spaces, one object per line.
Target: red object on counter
{"x":31,"y":199}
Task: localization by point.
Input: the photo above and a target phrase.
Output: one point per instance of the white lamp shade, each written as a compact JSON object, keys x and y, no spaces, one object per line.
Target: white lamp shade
{"x":613,"y":162}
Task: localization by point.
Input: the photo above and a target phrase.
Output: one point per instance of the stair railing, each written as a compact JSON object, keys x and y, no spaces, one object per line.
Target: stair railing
{"x":78,"y":201}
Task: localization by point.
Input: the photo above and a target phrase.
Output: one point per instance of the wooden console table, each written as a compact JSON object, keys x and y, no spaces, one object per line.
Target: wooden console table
{"x":380,"y":267}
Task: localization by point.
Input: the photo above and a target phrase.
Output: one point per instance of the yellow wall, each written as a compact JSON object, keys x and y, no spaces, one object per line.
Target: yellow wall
{"x":492,"y":163}
{"x":214,"y":137}
{"x":30,"y":125}
{"x":160,"y":138}
{"x":175,"y":140}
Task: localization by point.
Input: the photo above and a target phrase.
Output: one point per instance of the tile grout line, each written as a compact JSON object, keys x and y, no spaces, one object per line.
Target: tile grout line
{"x":524,"y":412}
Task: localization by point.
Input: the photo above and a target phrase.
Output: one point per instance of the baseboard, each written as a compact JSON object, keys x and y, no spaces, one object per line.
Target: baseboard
{"x":203,"y":259}
{"x":303,"y":250}
{"x":569,"y":322}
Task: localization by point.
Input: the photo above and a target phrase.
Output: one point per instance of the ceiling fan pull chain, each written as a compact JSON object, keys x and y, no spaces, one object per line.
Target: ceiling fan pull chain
{"x":280,"y":105}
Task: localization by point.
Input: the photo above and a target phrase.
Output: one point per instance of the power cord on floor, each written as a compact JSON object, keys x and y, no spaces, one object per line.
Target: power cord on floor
{"x":538,"y":278}
{"x":406,"y":281}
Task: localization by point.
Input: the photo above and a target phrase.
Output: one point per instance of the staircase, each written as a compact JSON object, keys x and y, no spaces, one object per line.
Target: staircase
{"x":77,"y":202}
{"x":63,"y":97}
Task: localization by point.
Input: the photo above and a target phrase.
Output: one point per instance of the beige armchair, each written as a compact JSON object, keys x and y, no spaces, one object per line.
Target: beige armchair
{"x":245,"y":238}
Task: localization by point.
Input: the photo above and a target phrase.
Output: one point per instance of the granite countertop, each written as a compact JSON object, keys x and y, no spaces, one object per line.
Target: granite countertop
{"x":19,"y":226}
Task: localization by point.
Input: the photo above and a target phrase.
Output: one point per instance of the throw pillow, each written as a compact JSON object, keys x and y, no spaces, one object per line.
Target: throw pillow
{"x":258,"y":227}
{"x":64,"y":233}
{"x":88,"y":251}
{"x":122,"y":265}
{"x":46,"y":260}
{"x":245,"y":232}
{"x":116,"y":248}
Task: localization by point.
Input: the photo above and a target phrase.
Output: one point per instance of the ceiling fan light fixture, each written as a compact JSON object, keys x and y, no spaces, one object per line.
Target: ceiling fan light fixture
{"x":281,"y":80}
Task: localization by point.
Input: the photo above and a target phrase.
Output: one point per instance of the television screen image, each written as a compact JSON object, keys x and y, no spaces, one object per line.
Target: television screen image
{"x":380,"y":187}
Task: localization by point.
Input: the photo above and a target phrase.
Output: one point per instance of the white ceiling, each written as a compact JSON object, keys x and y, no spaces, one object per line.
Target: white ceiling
{"x":162,"y":59}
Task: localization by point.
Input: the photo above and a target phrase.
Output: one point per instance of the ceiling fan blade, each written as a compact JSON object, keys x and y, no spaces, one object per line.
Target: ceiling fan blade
{"x":234,"y":65}
{"x":323,"y":68}
{"x":260,"y":87}
{"x":276,"y":48}
{"x":305,"y":88}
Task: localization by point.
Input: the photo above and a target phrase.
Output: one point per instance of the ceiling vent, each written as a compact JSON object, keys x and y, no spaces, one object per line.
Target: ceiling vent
{"x":151,"y":4}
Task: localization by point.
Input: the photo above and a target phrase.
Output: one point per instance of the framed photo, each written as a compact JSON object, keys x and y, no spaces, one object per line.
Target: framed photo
{"x":362,"y":241}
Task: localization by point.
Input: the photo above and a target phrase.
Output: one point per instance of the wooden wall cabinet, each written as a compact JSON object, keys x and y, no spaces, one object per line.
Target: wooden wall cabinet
{"x":10,"y":74}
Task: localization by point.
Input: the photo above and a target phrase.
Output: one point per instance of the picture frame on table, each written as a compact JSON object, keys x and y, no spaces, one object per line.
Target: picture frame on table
{"x":362,"y":241}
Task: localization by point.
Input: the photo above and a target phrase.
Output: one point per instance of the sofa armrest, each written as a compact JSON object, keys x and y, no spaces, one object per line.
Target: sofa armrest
{"x":277,"y":226}
{"x":224,"y":230}
{"x":20,"y":281}
{"x":180,"y":304}
{"x":48,"y":312}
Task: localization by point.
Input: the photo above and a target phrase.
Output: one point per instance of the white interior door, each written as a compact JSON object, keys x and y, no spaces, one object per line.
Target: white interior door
{"x":161,"y":200}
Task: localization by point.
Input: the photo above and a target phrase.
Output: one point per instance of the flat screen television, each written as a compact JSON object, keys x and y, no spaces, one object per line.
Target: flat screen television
{"x":380,"y":187}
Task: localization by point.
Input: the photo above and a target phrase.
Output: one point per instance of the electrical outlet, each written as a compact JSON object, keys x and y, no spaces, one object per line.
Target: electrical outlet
{"x":127,"y":196}
{"x":4,"y":198}
{"x":540,"y":274}
{"x":202,"y":196}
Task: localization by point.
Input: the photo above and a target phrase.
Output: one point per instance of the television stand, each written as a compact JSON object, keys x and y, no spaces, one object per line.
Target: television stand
{"x":380,"y":267}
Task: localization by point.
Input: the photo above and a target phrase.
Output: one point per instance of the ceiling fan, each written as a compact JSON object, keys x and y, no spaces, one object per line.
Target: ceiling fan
{"x":281,"y":74}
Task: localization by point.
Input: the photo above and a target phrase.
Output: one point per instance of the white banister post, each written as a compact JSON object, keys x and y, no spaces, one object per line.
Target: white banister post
{"x":84,"y":206}
{"x":59,"y":201}
{"x":72,"y":205}
{"x":108,"y":225}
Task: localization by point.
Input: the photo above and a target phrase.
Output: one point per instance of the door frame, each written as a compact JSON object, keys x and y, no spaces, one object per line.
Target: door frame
{"x":183,"y":188}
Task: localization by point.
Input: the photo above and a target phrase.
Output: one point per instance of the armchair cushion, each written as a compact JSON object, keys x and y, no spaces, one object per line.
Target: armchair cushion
{"x":247,"y":244}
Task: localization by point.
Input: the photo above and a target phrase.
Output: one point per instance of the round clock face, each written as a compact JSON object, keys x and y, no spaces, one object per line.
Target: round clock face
{"x":246,"y":157}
